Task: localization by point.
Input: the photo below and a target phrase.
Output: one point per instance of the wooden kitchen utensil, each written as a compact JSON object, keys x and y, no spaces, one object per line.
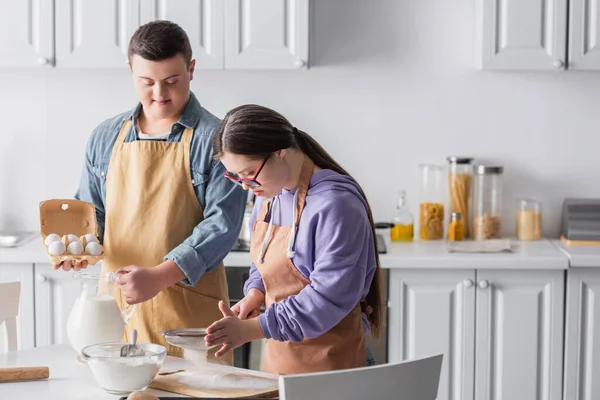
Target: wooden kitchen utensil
{"x":218,"y":381}
{"x":68,"y":216}
{"x":23,"y":374}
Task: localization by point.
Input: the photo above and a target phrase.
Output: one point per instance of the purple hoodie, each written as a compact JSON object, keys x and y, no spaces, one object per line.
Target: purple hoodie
{"x":334,"y":248}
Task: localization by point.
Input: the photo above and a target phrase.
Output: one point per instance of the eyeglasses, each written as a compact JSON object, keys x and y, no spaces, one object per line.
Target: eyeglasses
{"x":249,"y":181}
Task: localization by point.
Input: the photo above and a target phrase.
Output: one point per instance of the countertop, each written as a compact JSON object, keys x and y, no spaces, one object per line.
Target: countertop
{"x":580,"y":256}
{"x":542,"y":254}
{"x":69,"y":379}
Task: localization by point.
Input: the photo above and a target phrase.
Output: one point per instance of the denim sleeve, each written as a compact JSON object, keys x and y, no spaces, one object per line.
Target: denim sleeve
{"x":255,"y":279}
{"x":214,"y":237}
{"x":89,"y":187}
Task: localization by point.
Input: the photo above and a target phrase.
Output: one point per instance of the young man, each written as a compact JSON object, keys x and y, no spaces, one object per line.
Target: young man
{"x":167,"y":217}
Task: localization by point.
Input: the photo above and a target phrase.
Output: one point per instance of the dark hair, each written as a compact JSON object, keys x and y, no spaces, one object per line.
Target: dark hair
{"x":258,"y":131}
{"x":160,"y":40}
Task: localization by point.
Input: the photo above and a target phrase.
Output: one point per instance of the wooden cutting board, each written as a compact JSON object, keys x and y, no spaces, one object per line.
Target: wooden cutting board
{"x":218,"y":381}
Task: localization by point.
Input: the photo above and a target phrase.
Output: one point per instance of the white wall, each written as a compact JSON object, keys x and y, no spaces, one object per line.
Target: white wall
{"x":393,"y":85}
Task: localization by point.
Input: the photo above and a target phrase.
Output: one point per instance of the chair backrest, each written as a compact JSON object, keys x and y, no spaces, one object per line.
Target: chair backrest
{"x":414,"y":379}
{"x":10,"y":293}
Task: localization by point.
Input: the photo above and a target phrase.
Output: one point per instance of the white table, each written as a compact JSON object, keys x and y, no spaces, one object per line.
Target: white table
{"x":69,"y":379}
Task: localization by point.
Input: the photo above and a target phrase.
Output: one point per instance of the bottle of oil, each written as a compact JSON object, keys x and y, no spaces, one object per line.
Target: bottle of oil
{"x":403,"y":221}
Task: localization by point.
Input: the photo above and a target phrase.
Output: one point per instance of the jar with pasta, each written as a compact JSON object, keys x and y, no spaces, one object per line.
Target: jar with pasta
{"x":486,"y":213}
{"x":529,"y":219}
{"x":432,"y":200}
{"x":460,"y":177}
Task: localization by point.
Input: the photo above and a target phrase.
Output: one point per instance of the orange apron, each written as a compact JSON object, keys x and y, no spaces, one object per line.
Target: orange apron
{"x":151,"y":208}
{"x":340,"y":348}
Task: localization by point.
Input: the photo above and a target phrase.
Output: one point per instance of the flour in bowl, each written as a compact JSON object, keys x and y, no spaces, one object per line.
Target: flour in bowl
{"x":123,"y":375}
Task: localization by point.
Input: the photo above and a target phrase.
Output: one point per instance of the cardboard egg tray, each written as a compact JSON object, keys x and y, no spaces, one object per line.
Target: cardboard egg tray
{"x":68,"y":216}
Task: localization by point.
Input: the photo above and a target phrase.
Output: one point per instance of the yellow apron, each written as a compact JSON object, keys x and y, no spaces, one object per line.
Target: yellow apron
{"x":151,"y":208}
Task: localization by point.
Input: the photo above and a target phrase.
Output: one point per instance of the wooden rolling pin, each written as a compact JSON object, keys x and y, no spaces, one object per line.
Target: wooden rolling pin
{"x":23,"y":374}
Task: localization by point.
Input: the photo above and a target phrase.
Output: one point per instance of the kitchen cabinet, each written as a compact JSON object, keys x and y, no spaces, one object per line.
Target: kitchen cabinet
{"x":519,"y":335}
{"x":432,"y":312}
{"x":25,"y":321}
{"x":203,"y":21}
{"x":584,"y":35}
{"x":224,"y":34}
{"x":501,"y":331}
{"x":55,"y":294}
{"x":582,"y":335}
{"x":26,"y":33}
{"x":94,"y":33}
{"x":266,"y":34}
{"x":521,"y":35}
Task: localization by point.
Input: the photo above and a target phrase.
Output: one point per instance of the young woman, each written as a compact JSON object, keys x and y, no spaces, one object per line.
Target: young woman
{"x":315,"y":264}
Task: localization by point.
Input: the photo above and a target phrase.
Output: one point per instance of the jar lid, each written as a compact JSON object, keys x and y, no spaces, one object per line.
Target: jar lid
{"x":459,"y":160}
{"x":488,"y":170}
{"x":456,"y":216}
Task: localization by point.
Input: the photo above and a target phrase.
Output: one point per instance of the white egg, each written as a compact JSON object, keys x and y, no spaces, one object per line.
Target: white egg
{"x":51,"y":238}
{"x":91,"y":238}
{"x":93,"y":249}
{"x":57,"y":248}
{"x":72,"y":238}
{"x":75,"y":248}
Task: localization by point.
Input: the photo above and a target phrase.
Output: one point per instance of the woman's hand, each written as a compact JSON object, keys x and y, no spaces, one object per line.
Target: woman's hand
{"x":231,"y":331}
{"x":250,"y":305}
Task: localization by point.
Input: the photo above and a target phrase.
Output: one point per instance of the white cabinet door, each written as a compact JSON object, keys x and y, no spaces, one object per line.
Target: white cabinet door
{"x":55,"y":294}
{"x":582,"y":335}
{"x":519,"y":335}
{"x":202,"y":20}
{"x":432,"y":312}
{"x":94,"y":33}
{"x":584,"y":35}
{"x":25,"y":321}
{"x":26,"y":33}
{"x":266,"y":34}
{"x":521,"y":34}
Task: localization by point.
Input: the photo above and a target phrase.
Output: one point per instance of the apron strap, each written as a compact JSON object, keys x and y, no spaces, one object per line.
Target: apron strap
{"x":264,"y":211}
{"x":187,"y":135}
{"x":123,"y":132}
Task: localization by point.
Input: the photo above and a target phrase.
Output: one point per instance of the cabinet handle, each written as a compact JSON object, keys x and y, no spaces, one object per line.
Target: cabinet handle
{"x":300,"y":63}
{"x":468,"y":283}
{"x":483,"y":284}
{"x":41,"y":278}
{"x":44,"y":60}
{"x":558,"y":64}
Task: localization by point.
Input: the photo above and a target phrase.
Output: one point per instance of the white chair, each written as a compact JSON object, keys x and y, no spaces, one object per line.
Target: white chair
{"x":10,"y":293}
{"x":408,"y":380}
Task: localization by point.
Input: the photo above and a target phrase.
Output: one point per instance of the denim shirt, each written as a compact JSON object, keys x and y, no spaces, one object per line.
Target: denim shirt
{"x":223,"y":201}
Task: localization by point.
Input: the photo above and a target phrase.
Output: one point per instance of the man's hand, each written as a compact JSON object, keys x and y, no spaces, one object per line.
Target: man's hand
{"x":140,"y":284}
{"x":67,"y":265}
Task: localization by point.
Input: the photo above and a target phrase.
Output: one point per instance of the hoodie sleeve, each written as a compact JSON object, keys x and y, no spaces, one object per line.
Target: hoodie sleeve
{"x":343,"y":241}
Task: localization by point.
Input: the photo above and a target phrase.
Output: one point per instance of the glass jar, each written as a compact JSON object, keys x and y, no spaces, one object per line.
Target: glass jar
{"x":456,"y":228}
{"x":529,"y":219}
{"x":460,"y":178}
{"x":487,"y":202}
{"x":432,"y":199}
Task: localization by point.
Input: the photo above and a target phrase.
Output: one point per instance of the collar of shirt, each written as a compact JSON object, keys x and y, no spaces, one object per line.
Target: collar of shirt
{"x":190,"y":117}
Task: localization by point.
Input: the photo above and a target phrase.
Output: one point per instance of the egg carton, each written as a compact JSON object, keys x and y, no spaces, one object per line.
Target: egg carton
{"x":71,"y":220}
